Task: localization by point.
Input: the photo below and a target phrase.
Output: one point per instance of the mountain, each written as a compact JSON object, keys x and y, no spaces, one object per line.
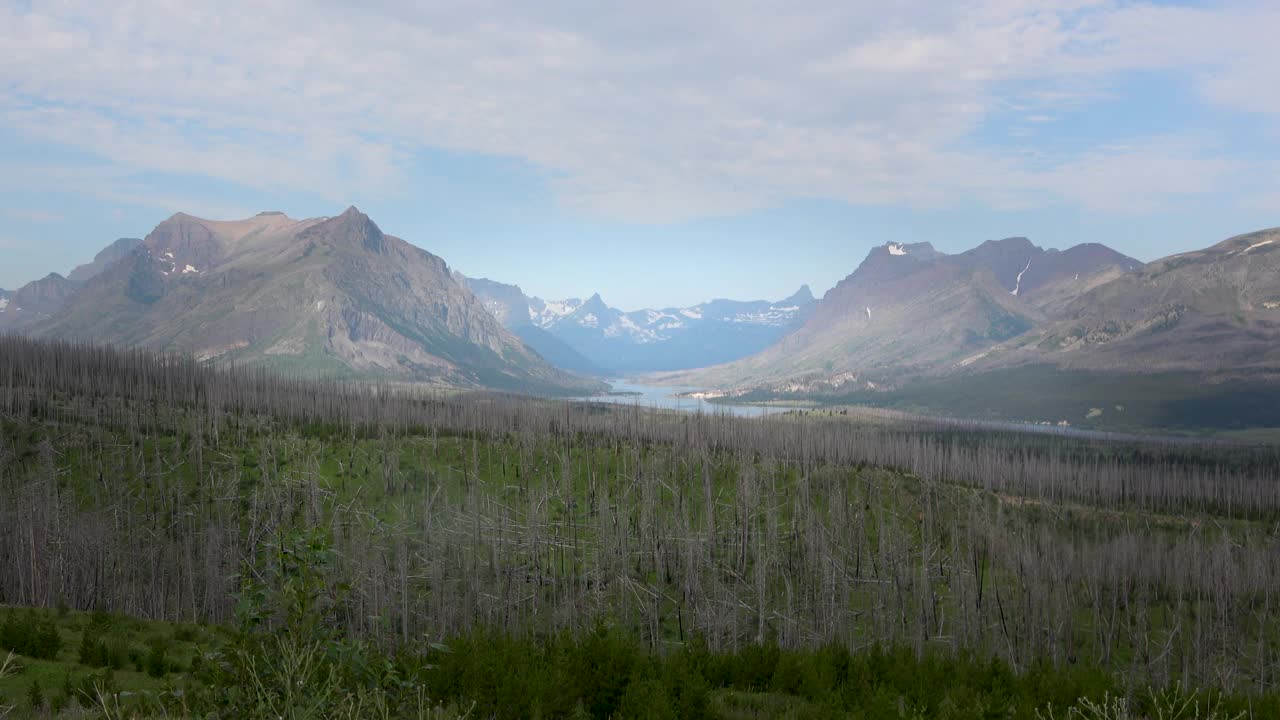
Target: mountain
{"x":109,"y":255}
{"x":644,"y":340}
{"x":909,"y":311}
{"x":1214,"y":312}
{"x":330,"y":296}
{"x":42,"y":298}
{"x":34,"y":302}
{"x":510,"y":306}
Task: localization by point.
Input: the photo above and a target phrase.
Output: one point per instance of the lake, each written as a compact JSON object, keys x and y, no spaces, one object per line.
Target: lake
{"x":666,"y":397}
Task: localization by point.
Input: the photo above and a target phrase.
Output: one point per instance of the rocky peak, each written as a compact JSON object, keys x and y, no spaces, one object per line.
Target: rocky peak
{"x":105,"y":257}
{"x":801,"y":297}
{"x":353,"y":229}
{"x":594,"y":304}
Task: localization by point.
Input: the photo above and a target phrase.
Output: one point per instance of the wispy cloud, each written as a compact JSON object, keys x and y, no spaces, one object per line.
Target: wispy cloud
{"x":654,"y":111}
{"x":12,"y":244}
{"x":29,"y":215}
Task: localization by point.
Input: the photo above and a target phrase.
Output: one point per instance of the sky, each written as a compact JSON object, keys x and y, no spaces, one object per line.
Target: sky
{"x":661,"y":153}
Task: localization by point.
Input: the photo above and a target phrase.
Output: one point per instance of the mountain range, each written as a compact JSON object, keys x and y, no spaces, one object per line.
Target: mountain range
{"x":909,"y":311}
{"x":332,"y":296}
{"x":590,"y":336}
{"x":1006,"y":329}
{"x":1013,"y":330}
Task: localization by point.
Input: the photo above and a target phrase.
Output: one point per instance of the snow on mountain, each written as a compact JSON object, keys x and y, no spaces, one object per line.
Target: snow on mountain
{"x":545,"y":313}
{"x":651,"y":339}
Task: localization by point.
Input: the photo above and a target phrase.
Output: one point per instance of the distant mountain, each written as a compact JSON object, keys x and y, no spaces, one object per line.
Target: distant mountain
{"x":1214,"y":312}
{"x":909,"y":311}
{"x":42,"y":298}
{"x":109,"y":255}
{"x":645,"y":340}
{"x":34,"y":302}
{"x":510,"y":306}
{"x":330,"y":296}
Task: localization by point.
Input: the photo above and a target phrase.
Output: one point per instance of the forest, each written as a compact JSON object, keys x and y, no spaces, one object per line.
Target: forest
{"x":182,"y":540}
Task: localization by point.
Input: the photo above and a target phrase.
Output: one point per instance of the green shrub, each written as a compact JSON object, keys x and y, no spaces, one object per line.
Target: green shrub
{"x":157,"y":664}
{"x":32,"y":634}
{"x":646,"y":700}
{"x":35,"y":695}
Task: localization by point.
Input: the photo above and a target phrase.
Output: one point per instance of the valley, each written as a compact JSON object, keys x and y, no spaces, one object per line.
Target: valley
{"x":783,"y":561}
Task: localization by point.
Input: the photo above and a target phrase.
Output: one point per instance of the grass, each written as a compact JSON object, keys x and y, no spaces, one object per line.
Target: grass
{"x":64,"y":679}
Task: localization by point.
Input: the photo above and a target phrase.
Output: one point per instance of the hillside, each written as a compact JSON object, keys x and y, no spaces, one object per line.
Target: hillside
{"x":1214,"y":312}
{"x":630,"y":564}
{"x":909,"y":311}
{"x":327,"y":296}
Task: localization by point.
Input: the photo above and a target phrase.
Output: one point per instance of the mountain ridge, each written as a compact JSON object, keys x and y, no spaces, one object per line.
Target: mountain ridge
{"x":646,"y":340}
{"x":909,"y":311}
{"x":329,"y":295}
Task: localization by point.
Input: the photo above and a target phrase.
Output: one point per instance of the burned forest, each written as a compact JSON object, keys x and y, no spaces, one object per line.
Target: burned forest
{"x":148,"y":485}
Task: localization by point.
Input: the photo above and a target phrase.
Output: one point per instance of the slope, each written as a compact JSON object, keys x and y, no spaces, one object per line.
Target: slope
{"x":325,"y":296}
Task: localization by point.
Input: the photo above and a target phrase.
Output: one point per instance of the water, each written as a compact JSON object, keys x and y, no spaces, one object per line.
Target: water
{"x":667,"y":397}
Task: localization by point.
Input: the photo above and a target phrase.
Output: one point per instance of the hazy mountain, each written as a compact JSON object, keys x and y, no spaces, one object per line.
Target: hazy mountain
{"x":42,"y":298}
{"x":910,"y":311}
{"x":1214,"y":311}
{"x":645,"y":340}
{"x":510,"y":306}
{"x":1047,"y":279}
{"x":104,"y":259}
{"x":333,"y":296}
{"x":34,"y":302}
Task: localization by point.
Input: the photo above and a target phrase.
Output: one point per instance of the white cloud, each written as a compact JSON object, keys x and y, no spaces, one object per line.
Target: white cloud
{"x":650,"y":111}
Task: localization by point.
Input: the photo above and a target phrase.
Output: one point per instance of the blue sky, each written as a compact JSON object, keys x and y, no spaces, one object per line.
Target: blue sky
{"x":661,"y":154}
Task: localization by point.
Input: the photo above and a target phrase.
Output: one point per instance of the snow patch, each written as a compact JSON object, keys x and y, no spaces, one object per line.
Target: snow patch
{"x":973,"y":359}
{"x":590,"y":320}
{"x":1018,"y":287}
{"x":1258,"y":245}
{"x":692,"y":313}
{"x":552,"y":311}
{"x":168,"y":254}
{"x":4,"y":303}
{"x":868,"y":313}
{"x":189,"y":269}
{"x":896,"y":249}
{"x":771,"y":316}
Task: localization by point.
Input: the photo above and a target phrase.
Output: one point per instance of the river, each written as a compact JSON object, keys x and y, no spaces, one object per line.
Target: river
{"x":666,"y":397}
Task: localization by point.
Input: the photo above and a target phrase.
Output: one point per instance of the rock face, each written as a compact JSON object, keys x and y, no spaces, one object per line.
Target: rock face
{"x":103,"y":260}
{"x":329,"y":296}
{"x":612,"y":341}
{"x":909,"y":311}
{"x":34,"y":302}
{"x":510,"y":306}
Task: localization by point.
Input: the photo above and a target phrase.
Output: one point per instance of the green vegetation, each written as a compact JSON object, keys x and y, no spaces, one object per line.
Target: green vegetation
{"x":308,"y":550}
{"x":1142,"y":402}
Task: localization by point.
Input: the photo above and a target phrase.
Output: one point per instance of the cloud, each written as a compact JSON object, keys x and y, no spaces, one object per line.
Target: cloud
{"x":113,"y":184}
{"x":30,"y":215}
{"x":16,"y":244}
{"x":656,"y":111}
{"x":1150,"y":176}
